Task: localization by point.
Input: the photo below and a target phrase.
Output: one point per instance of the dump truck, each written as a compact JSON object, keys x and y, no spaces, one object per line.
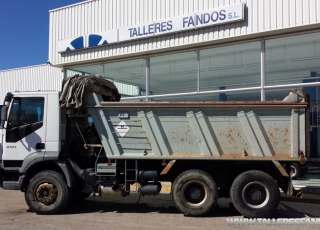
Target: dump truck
{"x":62,"y":146}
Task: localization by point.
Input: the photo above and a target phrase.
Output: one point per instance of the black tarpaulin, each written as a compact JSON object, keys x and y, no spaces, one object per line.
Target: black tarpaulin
{"x":75,"y":89}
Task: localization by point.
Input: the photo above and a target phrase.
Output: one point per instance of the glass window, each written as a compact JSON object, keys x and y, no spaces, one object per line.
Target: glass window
{"x":247,"y":95}
{"x":229,"y":67}
{"x":294,"y":59}
{"x":129,"y":76}
{"x":228,"y":96}
{"x":196,"y":97}
{"x":174,"y":73}
{"x":26,"y":111}
{"x":276,"y":94}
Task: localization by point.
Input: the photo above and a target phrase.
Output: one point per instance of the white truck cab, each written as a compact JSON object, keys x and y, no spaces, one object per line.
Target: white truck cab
{"x":30,"y":130}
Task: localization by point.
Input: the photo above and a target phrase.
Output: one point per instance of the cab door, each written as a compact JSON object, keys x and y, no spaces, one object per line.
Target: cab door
{"x":25,"y":129}
{"x":1,"y":144}
{"x":1,"y":139}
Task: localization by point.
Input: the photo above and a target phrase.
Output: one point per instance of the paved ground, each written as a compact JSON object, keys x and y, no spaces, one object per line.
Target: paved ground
{"x":135,"y":212}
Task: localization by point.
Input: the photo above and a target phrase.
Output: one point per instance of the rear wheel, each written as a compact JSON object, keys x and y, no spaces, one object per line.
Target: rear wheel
{"x":297,"y":170}
{"x":194,"y":193}
{"x":47,"y":193}
{"x":255,"y":194}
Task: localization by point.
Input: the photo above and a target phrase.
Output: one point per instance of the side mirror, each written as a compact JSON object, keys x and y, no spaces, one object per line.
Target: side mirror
{"x":4,"y":115}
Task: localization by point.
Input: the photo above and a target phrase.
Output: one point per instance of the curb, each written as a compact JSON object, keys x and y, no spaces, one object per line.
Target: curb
{"x":300,"y":200}
{"x":315,"y":191}
{"x":166,"y":186}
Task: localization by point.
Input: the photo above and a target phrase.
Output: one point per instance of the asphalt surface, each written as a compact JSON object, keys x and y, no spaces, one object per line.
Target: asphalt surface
{"x":153,"y":212}
{"x":134,"y":212}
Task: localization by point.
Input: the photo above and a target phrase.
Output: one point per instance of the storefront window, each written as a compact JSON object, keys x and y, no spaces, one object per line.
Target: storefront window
{"x":292,"y":60}
{"x":129,"y":76}
{"x":277,"y":94}
{"x":296,"y":60}
{"x":195,"y":97}
{"x":173,"y":73}
{"x":230,"y":67}
{"x":248,"y":95}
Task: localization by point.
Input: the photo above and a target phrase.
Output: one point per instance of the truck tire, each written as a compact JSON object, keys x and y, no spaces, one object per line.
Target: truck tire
{"x":194,"y":193}
{"x":47,"y":193}
{"x":255,"y":194}
{"x":296,"y":171}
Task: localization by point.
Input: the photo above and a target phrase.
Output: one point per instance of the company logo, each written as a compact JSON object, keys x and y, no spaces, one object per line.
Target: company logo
{"x":95,"y":39}
{"x":76,"y":44}
{"x":89,"y":40}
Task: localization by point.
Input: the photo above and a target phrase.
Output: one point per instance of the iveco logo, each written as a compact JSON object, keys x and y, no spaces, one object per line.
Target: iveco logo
{"x":11,"y":147}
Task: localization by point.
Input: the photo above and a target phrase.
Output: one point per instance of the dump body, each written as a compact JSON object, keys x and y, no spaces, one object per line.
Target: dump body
{"x":273,"y":130}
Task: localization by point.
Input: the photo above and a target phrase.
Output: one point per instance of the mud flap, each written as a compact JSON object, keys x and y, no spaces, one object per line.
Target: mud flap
{"x":285,"y":182}
{"x":286,"y":185}
{"x":68,"y":173}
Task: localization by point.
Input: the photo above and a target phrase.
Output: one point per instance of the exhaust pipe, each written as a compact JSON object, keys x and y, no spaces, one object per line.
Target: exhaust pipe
{"x":88,"y":177}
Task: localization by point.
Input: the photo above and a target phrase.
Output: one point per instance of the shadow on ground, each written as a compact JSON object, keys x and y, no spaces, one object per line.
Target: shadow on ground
{"x":163,"y":204}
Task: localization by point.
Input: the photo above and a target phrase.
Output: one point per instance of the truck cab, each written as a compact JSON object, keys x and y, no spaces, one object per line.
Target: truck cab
{"x":29,"y":133}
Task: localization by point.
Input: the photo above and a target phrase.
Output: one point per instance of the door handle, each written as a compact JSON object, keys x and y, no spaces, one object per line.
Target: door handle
{"x":40,"y":146}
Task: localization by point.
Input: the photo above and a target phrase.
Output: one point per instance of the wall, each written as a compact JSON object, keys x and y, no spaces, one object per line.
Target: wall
{"x":31,"y":78}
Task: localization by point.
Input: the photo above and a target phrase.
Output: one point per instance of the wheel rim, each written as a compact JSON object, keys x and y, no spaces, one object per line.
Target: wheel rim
{"x":46,"y":193}
{"x":255,"y":195}
{"x":293,"y":171}
{"x":194,"y":193}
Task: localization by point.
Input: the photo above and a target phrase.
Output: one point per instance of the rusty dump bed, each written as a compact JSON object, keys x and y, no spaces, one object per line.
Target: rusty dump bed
{"x":203,"y":130}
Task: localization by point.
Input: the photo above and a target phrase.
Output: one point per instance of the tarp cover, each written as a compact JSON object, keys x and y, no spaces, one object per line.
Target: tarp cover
{"x":75,"y":89}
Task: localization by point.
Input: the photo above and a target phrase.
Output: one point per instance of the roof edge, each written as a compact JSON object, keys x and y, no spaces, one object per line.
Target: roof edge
{"x":68,"y":6}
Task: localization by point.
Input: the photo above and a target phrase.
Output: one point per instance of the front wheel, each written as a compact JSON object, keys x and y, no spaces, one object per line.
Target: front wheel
{"x":194,"y":193}
{"x":255,"y":194}
{"x":47,"y":193}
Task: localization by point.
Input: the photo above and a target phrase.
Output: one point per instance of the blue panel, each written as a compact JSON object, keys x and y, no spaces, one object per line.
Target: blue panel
{"x":68,"y":49}
{"x":311,"y":90}
{"x":105,"y":42}
{"x":222,"y":96}
{"x":77,"y":43}
{"x":94,"y":39}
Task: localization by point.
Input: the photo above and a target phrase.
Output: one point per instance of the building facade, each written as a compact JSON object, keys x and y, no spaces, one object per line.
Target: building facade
{"x":156,"y":50}
{"x":30,"y":78}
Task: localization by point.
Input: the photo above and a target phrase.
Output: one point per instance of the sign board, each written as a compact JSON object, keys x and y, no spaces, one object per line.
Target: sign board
{"x":122,"y":128}
{"x":211,"y":17}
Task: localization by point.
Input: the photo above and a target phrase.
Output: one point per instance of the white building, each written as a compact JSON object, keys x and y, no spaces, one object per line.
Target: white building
{"x":193,"y":49}
{"x":31,"y":78}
